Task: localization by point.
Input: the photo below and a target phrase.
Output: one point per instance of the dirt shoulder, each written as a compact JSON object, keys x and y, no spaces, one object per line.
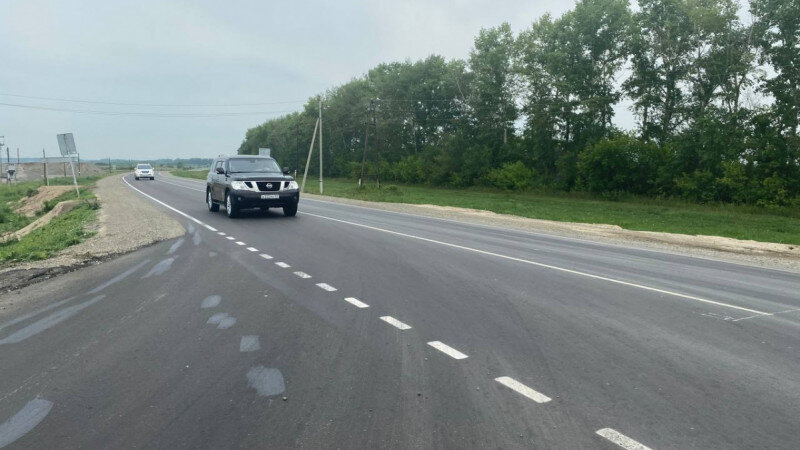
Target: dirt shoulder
{"x":126,"y":222}
{"x":762,"y":254}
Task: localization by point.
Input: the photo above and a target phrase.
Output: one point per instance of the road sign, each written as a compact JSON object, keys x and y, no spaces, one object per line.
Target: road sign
{"x":66,"y":143}
{"x":264,"y":152}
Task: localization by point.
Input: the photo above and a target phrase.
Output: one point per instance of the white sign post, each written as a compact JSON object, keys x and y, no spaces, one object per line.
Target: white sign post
{"x":66,"y":143}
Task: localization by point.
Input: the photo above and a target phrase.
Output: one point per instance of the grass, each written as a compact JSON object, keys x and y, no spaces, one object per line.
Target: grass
{"x":199,"y":174}
{"x":57,"y":235}
{"x":671,"y":216}
{"x":45,"y":242}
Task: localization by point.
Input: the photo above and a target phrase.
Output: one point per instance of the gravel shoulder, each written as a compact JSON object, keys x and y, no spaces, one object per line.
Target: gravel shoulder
{"x":761,"y":254}
{"x":126,"y":222}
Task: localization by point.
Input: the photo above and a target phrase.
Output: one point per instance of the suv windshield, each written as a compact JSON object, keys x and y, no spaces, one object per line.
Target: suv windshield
{"x":253,"y":165}
{"x":143,"y":166}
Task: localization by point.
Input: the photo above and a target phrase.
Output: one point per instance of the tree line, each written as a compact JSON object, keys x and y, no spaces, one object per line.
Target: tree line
{"x":716,"y":102}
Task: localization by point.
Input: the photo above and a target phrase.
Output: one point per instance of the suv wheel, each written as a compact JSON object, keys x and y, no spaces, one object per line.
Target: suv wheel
{"x":230,"y":205}
{"x":213,"y":207}
{"x":290,"y":210}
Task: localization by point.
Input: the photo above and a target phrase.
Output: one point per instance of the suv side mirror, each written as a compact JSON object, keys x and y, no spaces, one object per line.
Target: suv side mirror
{"x":286,"y":171}
{"x":220,"y":170}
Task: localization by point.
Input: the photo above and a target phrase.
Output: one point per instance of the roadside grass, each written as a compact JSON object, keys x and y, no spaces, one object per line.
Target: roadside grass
{"x":60,"y":233}
{"x":45,"y":242}
{"x":780,"y":225}
{"x":199,"y":174}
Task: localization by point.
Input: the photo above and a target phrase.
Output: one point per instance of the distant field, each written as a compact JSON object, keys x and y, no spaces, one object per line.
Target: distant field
{"x":671,"y":216}
{"x":200,"y":174}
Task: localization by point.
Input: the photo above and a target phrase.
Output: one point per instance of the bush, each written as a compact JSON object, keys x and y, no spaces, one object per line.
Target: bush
{"x":514,"y":176}
{"x":622,"y":164}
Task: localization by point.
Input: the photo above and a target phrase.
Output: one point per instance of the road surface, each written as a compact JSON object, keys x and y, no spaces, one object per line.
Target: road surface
{"x":349,"y":327}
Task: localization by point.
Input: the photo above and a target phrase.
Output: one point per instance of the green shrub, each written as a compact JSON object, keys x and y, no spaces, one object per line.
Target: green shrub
{"x":514,"y":176}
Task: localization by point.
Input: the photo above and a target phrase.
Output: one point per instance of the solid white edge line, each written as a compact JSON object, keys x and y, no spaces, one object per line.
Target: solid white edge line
{"x":327,"y":287}
{"x":209,"y":227}
{"x":447,"y":350}
{"x":302,"y":274}
{"x":356,"y":302}
{"x":265,"y":256}
{"x":484,"y":252}
{"x":546,"y":266}
{"x":252,"y":249}
{"x":520,"y":388}
{"x":532,"y":233}
{"x":162,"y":203}
{"x":395,"y":323}
{"x":620,"y":439}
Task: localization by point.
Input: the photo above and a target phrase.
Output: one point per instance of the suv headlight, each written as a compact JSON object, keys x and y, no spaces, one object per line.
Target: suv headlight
{"x":242,"y":186}
{"x":292,"y":185}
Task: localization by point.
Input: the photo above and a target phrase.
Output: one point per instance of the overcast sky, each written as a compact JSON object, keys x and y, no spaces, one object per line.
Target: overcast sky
{"x":208,"y":53}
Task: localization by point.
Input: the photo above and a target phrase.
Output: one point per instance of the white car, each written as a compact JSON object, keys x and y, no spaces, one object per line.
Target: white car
{"x":144,"y":171}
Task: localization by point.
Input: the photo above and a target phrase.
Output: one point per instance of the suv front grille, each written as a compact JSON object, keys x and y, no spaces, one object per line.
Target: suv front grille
{"x":273,"y":185}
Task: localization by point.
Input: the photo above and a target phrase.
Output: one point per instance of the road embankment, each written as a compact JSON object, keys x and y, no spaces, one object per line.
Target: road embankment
{"x":126,"y":222}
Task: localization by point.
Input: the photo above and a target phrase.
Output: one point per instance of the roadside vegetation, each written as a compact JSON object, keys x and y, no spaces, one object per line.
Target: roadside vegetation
{"x":781,"y":225}
{"x":199,"y":174}
{"x":58,"y":234}
{"x":713,"y":86}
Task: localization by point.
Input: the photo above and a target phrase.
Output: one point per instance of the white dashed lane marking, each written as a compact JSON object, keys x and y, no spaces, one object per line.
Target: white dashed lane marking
{"x":252,"y":249}
{"x":395,"y":323}
{"x":515,"y":385}
{"x":621,"y":440}
{"x":326,"y":287}
{"x":358,"y":303}
{"x":240,"y":243}
{"x":282,"y":264}
{"x":302,"y":275}
{"x":447,"y":350}
{"x":220,"y":233}
{"x":230,"y":238}
{"x":265,"y":256}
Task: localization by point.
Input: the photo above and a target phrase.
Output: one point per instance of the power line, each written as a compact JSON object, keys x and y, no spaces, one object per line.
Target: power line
{"x":146,"y":114}
{"x":98,"y":102}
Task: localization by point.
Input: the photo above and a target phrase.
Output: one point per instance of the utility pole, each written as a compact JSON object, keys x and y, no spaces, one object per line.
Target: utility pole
{"x":8,"y":161}
{"x":320,"y":144}
{"x":364,"y":155}
{"x":375,"y":138}
{"x":308,"y":160}
{"x":44,"y":168}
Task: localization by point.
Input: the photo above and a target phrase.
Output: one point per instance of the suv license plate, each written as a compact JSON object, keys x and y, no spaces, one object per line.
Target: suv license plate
{"x":269,"y":196}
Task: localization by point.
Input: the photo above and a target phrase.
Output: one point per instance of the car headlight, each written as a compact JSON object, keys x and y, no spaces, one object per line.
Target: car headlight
{"x":292,"y":185}
{"x":242,"y":186}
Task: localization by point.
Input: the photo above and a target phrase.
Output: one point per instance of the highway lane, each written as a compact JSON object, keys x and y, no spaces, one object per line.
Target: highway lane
{"x":669,"y":371}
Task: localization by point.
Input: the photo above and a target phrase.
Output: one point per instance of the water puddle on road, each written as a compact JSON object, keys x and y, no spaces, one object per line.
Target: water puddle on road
{"x":24,"y":421}
{"x":249,"y":344}
{"x":48,"y":322}
{"x":212,"y":301}
{"x":175,"y":246}
{"x":266,"y":381}
{"x":160,"y":268}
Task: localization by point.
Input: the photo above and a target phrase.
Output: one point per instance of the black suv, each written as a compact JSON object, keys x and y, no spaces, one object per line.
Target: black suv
{"x":244,"y":181}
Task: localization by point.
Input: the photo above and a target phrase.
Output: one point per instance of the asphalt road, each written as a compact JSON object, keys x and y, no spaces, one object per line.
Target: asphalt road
{"x":348,"y":327}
